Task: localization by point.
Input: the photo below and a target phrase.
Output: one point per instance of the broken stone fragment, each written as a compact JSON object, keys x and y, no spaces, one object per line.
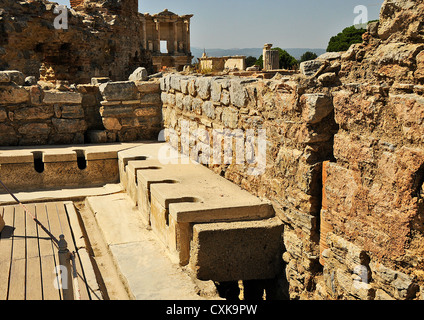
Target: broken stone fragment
{"x":310,"y":68}
{"x":30,"y":81}
{"x":139,"y":74}
{"x":316,"y":106}
{"x":327,"y":78}
{"x":99,"y":80}
{"x":13,"y":76}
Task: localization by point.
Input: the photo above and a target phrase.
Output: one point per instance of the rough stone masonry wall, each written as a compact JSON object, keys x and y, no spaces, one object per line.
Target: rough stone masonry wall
{"x":102,"y":39}
{"x":299,"y":126}
{"x":96,"y":113}
{"x":345,"y":157}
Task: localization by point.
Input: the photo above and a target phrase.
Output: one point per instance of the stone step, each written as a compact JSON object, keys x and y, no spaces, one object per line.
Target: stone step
{"x":176,"y":195}
{"x":141,"y":260}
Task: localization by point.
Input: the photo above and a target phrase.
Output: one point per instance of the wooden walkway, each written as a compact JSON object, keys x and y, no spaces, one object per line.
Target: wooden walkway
{"x":28,"y":257}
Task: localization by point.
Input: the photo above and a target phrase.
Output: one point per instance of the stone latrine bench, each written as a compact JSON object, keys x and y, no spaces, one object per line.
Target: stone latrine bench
{"x":208,"y":223}
{"x":44,"y":168}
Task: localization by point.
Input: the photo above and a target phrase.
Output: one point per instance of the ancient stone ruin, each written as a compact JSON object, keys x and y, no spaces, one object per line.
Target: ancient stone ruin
{"x":249,"y":184}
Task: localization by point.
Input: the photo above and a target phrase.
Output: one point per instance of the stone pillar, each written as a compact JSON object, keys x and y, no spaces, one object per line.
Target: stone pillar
{"x":175,"y":37}
{"x":158,"y":34}
{"x":271,"y":58}
{"x":144,"y":34}
{"x":187,"y":33}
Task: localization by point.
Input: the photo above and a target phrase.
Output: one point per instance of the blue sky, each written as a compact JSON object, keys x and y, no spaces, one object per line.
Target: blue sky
{"x":250,"y":24}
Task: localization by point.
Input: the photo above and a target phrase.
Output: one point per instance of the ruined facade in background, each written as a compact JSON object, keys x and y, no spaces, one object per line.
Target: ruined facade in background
{"x":103,"y":39}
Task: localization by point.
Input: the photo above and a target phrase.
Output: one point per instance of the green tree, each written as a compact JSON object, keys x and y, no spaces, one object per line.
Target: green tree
{"x":308,"y":55}
{"x":343,"y":40}
{"x":250,"y":61}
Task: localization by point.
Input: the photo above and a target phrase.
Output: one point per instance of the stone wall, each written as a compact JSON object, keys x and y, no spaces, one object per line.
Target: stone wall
{"x":344,"y":157}
{"x":45,"y":114}
{"x":298,"y":124}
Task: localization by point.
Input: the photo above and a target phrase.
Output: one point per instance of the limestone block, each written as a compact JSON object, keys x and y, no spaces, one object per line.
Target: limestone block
{"x":62,"y":97}
{"x":69,"y":125}
{"x":175,"y":82}
{"x":315,"y":107}
{"x":34,"y":113}
{"x":15,"y":76}
{"x":111,"y":123}
{"x":237,"y":250}
{"x":230,"y":117}
{"x":216,"y":89}
{"x":148,"y":87}
{"x":120,"y":90}
{"x":311,"y":67}
{"x":139,"y":74}
{"x":238,"y":93}
{"x":13,"y":94}
{"x":71,"y":112}
{"x":208,"y":109}
{"x":203,"y":87}
{"x":400,"y":285}
{"x":117,"y":111}
{"x":150,"y":98}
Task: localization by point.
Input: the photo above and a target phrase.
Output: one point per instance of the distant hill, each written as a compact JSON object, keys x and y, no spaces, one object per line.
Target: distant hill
{"x":255,"y":52}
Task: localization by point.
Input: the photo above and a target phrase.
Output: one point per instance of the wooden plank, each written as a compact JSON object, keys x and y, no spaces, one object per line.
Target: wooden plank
{"x":58,"y":227}
{"x":47,"y":253}
{"x":78,"y":237}
{"x":34,"y":281}
{"x":67,"y":230}
{"x":18,"y":267}
{"x":6,"y":250}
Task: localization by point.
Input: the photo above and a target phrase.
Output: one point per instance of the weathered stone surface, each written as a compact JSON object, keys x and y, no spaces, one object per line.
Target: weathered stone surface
{"x":34,"y":113}
{"x":69,"y":125}
{"x":238,"y":93}
{"x":310,"y":68}
{"x":112,"y":124}
{"x":70,"y":112}
{"x":13,"y":94}
{"x":139,"y":74}
{"x":51,"y":97}
{"x":203,"y":87}
{"x":120,"y":90}
{"x":15,"y":76}
{"x":230,"y":117}
{"x":220,"y":252}
{"x":315,"y":107}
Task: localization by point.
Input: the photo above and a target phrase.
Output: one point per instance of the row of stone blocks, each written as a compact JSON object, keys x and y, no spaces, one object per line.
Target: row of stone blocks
{"x":218,"y":230}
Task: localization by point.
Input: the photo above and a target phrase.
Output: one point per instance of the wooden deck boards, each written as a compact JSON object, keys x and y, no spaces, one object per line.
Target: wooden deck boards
{"x":28,"y":257}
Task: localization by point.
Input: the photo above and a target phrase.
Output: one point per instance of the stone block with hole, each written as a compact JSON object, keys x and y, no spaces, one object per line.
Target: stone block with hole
{"x":244,"y":250}
{"x":182,"y":195}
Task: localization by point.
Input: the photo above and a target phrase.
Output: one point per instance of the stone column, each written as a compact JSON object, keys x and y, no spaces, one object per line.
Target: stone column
{"x":175,"y":37}
{"x":271,"y":58}
{"x":144,"y":34}
{"x":188,"y":49}
{"x":158,"y":34}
